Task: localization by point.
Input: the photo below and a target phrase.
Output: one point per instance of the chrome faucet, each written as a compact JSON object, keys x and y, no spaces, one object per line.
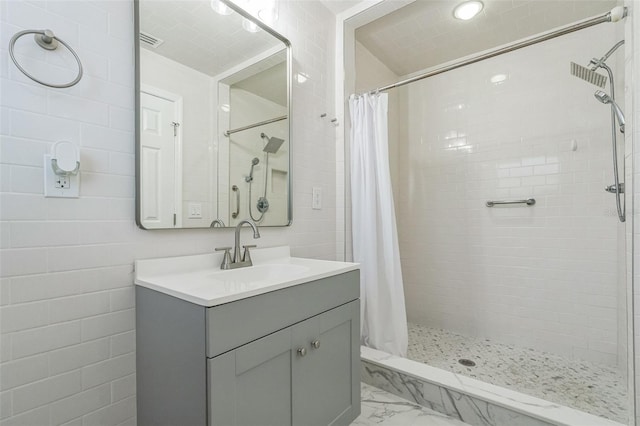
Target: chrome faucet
{"x":236,"y":249}
{"x":239,"y":261}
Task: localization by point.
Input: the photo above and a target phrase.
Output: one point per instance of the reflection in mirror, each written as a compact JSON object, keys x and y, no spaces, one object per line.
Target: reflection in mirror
{"x":253,"y":109}
{"x":213,"y":99}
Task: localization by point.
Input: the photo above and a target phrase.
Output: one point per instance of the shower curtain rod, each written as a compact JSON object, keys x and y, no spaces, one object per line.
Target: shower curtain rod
{"x":607,"y":17}
{"x":251,"y":126}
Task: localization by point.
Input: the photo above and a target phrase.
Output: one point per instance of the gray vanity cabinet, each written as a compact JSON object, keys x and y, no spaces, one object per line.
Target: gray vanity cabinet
{"x":322,"y":380}
{"x":301,"y":375}
{"x":251,"y":385}
{"x":288,"y":357}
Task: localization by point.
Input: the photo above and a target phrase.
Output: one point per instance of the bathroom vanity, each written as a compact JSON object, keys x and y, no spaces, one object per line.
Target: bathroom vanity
{"x":272,"y":344}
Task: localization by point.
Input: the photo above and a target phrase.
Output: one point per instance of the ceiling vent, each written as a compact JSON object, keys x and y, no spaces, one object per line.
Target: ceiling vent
{"x":150,"y":40}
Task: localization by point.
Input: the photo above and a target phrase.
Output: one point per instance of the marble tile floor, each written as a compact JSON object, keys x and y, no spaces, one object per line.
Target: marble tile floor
{"x":592,"y":388}
{"x":382,"y":408}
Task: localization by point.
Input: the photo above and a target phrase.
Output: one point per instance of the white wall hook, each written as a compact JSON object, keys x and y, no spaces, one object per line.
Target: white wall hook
{"x":65,"y":159}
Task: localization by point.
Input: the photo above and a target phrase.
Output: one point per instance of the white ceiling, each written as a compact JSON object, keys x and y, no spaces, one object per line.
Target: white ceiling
{"x":424,"y":34}
{"x":337,"y":6}
{"x":200,"y":38}
{"x":269,"y":84}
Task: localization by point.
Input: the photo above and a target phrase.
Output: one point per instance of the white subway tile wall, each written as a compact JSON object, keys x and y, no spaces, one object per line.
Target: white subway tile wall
{"x":67,"y":342}
{"x":543,"y":276}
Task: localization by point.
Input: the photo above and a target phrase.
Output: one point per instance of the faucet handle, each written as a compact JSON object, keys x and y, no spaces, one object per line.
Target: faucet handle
{"x":226,"y":260}
{"x":246,"y":256}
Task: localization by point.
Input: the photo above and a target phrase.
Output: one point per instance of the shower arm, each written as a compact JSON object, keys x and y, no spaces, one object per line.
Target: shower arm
{"x":600,"y":63}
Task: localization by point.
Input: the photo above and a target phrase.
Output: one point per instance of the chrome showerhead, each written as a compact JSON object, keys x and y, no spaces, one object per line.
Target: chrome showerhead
{"x":253,"y":163}
{"x":588,"y":75}
{"x":273,"y":144}
{"x":606,"y":99}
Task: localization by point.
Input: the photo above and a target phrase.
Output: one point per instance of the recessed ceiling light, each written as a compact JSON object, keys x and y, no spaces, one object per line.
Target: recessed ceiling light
{"x":301,"y":77}
{"x":468,"y":9}
{"x":250,"y":26}
{"x":268,"y":11}
{"x":498,"y":78}
{"x":220,"y":7}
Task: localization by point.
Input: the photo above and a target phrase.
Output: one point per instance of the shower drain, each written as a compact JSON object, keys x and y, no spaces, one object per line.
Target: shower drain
{"x":467,"y":362}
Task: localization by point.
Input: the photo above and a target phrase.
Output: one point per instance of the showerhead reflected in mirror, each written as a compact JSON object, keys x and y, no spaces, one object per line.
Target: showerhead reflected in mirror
{"x":207,"y":89}
{"x":273,"y":144}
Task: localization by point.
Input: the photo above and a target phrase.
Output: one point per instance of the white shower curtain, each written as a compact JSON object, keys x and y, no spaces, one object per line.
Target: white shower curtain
{"x":383,"y":321}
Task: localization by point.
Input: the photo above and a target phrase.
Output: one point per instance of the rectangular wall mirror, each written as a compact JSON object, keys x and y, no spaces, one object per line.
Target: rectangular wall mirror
{"x":213,"y":99}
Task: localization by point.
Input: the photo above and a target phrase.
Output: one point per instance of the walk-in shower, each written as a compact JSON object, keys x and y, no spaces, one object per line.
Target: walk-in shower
{"x":533,"y":293}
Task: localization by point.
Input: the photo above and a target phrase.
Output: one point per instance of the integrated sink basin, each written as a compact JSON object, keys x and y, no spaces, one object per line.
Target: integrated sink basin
{"x":198,"y":279}
{"x":259,"y":273}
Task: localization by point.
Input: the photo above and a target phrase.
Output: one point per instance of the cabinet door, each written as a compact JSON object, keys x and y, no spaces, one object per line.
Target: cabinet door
{"x":326,"y":380}
{"x":251,"y":385}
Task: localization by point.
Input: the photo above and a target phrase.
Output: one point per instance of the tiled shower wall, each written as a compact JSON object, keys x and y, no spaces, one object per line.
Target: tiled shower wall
{"x":543,"y":276}
{"x":67,"y":349}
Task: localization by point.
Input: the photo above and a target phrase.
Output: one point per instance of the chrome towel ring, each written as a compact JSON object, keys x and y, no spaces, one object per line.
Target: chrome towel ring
{"x":47,"y":40}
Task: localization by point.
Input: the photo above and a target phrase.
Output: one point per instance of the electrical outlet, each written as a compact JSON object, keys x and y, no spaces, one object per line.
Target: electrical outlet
{"x":59,"y":186}
{"x":62,"y":182}
{"x":316,"y":198}
{"x":195,"y":210}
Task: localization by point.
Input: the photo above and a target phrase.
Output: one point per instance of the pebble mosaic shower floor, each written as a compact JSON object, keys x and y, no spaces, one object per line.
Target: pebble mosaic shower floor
{"x":589,"y":387}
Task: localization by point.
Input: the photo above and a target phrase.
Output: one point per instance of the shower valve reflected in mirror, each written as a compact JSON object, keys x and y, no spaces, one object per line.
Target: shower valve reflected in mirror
{"x":205,"y":106}
{"x":262,"y":205}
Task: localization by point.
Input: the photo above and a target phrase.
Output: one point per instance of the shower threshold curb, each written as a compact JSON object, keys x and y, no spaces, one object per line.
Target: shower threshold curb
{"x":469,"y":400}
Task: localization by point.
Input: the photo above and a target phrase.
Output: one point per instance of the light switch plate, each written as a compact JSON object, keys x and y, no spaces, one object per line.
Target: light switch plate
{"x":316,"y":198}
{"x":195,"y":210}
{"x":59,"y":186}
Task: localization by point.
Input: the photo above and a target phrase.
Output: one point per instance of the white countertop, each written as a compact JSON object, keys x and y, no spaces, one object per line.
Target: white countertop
{"x":198,"y":279}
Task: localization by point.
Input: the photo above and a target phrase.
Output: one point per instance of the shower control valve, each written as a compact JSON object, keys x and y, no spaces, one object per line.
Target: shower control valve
{"x":614,"y":189}
{"x":262,"y":205}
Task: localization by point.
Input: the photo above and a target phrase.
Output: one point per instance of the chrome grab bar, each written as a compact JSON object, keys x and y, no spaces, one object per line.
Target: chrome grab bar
{"x":528,"y":201}
{"x":235,"y":189}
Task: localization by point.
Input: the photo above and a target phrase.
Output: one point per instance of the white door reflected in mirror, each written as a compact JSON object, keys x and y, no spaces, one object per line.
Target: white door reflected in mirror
{"x":159,"y":151}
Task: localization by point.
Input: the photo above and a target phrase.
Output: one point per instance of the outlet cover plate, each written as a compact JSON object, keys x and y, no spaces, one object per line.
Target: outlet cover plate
{"x":195,"y":210}
{"x":59,"y":186}
{"x":316,"y":198}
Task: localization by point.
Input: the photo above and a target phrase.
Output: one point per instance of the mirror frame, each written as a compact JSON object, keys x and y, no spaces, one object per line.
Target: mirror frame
{"x":137,"y":87}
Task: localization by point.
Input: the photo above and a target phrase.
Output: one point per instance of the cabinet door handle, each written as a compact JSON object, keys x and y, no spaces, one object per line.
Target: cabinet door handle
{"x":315,"y":344}
{"x":302,"y":351}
